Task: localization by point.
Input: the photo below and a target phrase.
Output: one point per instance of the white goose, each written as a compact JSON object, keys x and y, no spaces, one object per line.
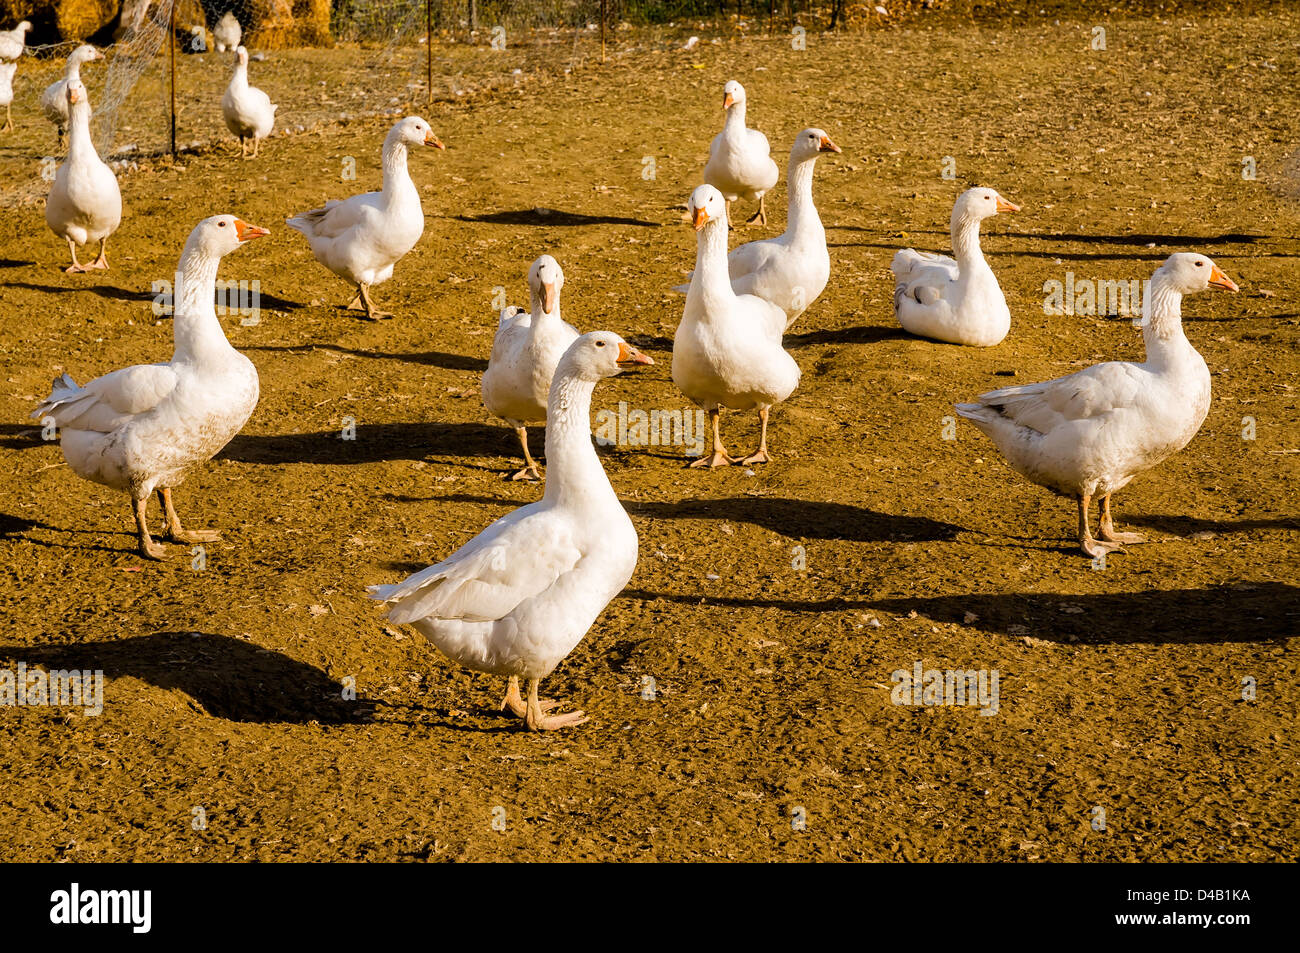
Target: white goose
{"x":227,"y":33}
{"x":54,"y":99}
{"x":1087,"y":435}
{"x":14,"y":42}
{"x":792,"y":269}
{"x":249,"y":112}
{"x":955,"y":301}
{"x":7,"y":71}
{"x":139,"y":429}
{"x":740,"y":162}
{"x":84,"y":204}
{"x":362,"y":238}
{"x":727,"y":351}
{"x":527,"y":347}
{"x":519,"y":597}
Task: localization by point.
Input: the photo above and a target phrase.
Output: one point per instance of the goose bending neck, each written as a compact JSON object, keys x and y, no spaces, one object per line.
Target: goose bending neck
{"x":966,"y":242}
{"x":195,"y":327}
{"x":799,"y":179}
{"x":574,"y":476}
{"x":711,"y":275}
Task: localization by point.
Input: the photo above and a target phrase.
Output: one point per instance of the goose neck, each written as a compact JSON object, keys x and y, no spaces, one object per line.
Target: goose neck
{"x":574,"y":475}
{"x":197,"y":332}
{"x":966,"y":241}
{"x":1162,"y":325}
{"x":799,"y":181}
{"x":80,"y":146}
{"x":735,"y":120}
{"x":712,"y":278}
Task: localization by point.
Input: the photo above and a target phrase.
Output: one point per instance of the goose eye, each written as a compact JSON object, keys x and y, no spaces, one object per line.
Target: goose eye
{"x":600,"y":344}
{"x":1200,"y":264}
{"x":221,"y":224}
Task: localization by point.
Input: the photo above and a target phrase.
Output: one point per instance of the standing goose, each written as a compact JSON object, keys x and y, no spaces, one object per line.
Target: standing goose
{"x":727,"y":351}
{"x":84,"y":204}
{"x":1088,"y":434}
{"x":14,"y":42}
{"x":518,"y":597}
{"x":527,"y":347}
{"x":227,"y":33}
{"x":54,"y":100}
{"x":362,"y":238}
{"x":740,"y":162}
{"x":141,"y":428}
{"x":955,"y":301}
{"x":7,"y":71}
{"x":792,"y":269}
{"x":249,"y":112}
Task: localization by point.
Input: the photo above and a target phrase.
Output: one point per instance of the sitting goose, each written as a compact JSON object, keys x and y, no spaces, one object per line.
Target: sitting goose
{"x":1088,"y":434}
{"x":249,"y":112}
{"x":792,"y":269}
{"x":362,"y":238}
{"x":740,"y":162}
{"x":54,"y":100}
{"x":518,"y":597}
{"x":139,"y":429}
{"x":527,"y":347}
{"x":84,"y":204}
{"x":955,"y":301}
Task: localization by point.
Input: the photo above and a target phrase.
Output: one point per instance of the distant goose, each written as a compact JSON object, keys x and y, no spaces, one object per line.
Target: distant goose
{"x":740,"y":162}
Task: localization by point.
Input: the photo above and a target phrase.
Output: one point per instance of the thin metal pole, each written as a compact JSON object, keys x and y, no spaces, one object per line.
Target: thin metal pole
{"x":602,"y":30}
{"x":171,"y":44}
{"x":428,"y":43}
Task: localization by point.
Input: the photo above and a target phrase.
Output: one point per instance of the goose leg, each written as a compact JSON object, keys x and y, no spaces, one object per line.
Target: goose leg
{"x":1090,"y":546}
{"x":730,"y":226}
{"x":760,"y":455}
{"x":172,"y":523}
{"x":257,"y":146}
{"x":356,"y":303}
{"x":514,"y":702}
{"x":102,"y":260}
{"x":536,"y":716}
{"x":530,"y":471}
{"x":9,"y":119}
{"x":761,"y":215}
{"x":148,"y":547}
{"x":1107,"y":528}
{"x":371,"y":313}
{"x":76,"y":267}
{"x":719,"y":456}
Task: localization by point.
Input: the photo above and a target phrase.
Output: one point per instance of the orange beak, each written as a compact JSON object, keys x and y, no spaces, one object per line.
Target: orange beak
{"x":728,"y":101}
{"x":549,"y":296}
{"x":1219,"y":280}
{"x":1005,"y":206}
{"x":73,"y":96}
{"x":701,"y":217}
{"x":628,"y":355}
{"x":828,"y":146}
{"x":432,"y":140}
{"x":246,"y":233}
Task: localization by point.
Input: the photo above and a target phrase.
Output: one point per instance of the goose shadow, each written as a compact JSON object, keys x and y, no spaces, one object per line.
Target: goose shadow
{"x":1256,"y":612}
{"x":861,"y":334}
{"x":226,"y":677}
{"x":15,"y":263}
{"x":451,"y":362}
{"x":548,"y":217}
{"x":103,"y":291}
{"x":796,"y":519}
{"x":1225,"y":238}
{"x":1187,"y":525}
{"x":374,"y":443}
{"x":23,"y":436}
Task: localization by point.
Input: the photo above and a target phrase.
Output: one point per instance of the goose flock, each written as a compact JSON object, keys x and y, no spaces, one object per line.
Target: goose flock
{"x":519,"y":597}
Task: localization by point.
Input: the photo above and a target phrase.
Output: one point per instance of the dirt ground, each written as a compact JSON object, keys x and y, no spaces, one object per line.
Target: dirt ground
{"x":1120,"y":689}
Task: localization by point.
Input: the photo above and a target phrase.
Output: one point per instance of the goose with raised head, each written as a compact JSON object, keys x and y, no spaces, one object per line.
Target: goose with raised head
{"x":955,"y":300}
{"x":249,"y":112}
{"x":85,"y":203}
{"x":519,"y":597}
{"x":525,"y":352}
{"x":54,"y":99}
{"x":360,"y":239}
{"x":1087,"y":435}
{"x":740,"y":162}
{"x":790,"y":270}
{"x":141,"y":429}
{"x":727,"y":350}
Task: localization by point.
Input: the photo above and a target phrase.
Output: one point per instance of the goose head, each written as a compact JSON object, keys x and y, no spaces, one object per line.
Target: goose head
{"x":980,"y":203}
{"x":78,"y":100}
{"x":24,"y":27}
{"x":84,"y":54}
{"x":810,"y":143}
{"x":219,"y":235}
{"x":545,"y":279}
{"x":1189,"y":273}
{"x":733,"y":94}
{"x":706,"y":205}
{"x":241,"y":57}
{"x":599,"y":354}
{"x":414,"y":131}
